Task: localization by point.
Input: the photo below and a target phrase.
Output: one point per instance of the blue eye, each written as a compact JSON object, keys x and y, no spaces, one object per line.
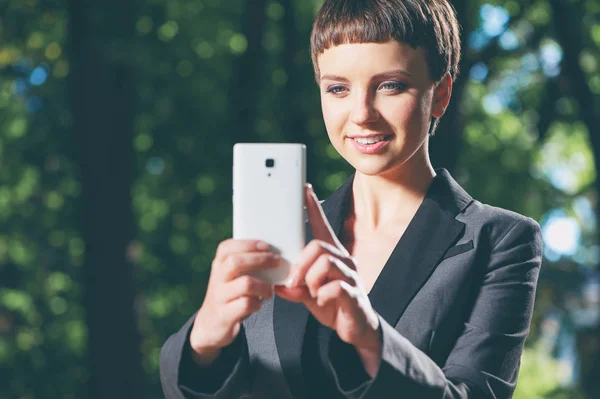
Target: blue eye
{"x":335,"y":89}
{"x":392,"y":86}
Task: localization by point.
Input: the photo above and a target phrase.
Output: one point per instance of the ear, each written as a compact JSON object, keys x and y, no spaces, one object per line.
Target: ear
{"x":441,"y":96}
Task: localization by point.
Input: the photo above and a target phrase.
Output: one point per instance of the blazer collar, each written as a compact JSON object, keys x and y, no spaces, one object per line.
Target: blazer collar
{"x":428,"y":236}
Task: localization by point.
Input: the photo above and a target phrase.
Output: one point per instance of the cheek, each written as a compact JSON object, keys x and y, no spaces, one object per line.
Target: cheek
{"x":406,"y":112}
{"x":414,"y":113}
{"x":333,"y":116}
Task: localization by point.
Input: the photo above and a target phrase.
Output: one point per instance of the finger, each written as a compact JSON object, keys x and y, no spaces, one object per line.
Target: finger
{"x":325,"y":269}
{"x":248,"y":286}
{"x":231,"y":246}
{"x":239,"y":264}
{"x":241,"y":308}
{"x":319,"y":224}
{"x":296,"y":294}
{"x":308,"y":257}
{"x":342,"y":293}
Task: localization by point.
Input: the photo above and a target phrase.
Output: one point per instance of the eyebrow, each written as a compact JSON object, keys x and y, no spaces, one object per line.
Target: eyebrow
{"x":380,"y":76}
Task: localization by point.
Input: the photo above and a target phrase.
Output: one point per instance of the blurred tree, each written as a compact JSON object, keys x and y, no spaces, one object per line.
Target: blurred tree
{"x":248,"y":72}
{"x":448,"y":141}
{"x":207,"y":73}
{"x":102,"y":90}
{"x":42,"y":330}
{"x":571,"y":35}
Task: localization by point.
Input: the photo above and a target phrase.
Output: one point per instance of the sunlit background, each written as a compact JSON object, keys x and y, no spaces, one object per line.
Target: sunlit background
{"x":522,"y":134}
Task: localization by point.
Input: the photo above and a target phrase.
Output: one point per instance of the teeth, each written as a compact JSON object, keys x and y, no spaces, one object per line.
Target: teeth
{"x":369,"y":140}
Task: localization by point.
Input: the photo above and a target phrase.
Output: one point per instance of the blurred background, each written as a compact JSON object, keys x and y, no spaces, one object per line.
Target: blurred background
{"x":117,"y":119}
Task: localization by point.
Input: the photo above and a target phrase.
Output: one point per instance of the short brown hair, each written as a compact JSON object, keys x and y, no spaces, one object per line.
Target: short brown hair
{"x":430,"y":24}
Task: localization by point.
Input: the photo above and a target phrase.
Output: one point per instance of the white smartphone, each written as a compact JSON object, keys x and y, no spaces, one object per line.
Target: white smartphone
{"x":268,"y":200}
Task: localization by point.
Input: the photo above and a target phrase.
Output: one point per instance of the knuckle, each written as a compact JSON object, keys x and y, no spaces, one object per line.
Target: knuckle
{"x":222,"y":247}
{"x":245,"y":304}
{"x":315,"y":245}
{"x":325,"y":260}
{"x":247,"y":283}
{"x":234,"y":261}
{"x":248,"y":304}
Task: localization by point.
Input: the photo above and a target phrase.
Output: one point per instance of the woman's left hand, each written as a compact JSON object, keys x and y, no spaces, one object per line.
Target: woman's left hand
{"x":324,"y":278}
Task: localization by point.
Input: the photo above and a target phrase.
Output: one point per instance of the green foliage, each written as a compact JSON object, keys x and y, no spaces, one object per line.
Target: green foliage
{"x":186,"y":55}
{"x":538,"y":377}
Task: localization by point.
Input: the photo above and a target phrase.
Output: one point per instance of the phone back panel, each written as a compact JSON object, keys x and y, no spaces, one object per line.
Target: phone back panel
{"x":268,"y":202}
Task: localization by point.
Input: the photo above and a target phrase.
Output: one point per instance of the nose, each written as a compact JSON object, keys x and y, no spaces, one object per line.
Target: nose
{"x":363,"y":110}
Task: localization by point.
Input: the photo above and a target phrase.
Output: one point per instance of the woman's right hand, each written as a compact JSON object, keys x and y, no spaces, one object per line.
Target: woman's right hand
{"x":231,"y":296}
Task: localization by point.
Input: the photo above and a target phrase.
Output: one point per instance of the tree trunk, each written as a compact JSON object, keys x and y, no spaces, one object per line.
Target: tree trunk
{"x":567,"y":19}
{"x":102,"y":94}
{"x":446,"y":144}
{"x":246,"y":81}
{"x":293,"y":112}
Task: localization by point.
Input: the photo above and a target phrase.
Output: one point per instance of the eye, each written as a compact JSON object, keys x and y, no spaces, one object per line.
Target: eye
{"x":336,"y":89}
{"x":392,"y":86}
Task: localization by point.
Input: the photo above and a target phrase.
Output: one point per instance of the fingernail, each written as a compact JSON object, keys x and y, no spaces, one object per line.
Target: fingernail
{"x":276,"y":260}
{"x":289,"y":283}
{"x":263,"y":246}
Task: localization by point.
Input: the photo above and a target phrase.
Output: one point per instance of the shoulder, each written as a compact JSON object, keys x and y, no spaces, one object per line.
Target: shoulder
{"x":497,"y":225}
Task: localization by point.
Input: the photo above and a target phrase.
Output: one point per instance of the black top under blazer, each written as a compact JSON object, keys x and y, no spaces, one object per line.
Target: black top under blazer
{"x":454,"y":301}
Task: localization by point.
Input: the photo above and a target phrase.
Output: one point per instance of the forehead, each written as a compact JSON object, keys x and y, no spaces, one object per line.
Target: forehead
{"x":372,"y":58}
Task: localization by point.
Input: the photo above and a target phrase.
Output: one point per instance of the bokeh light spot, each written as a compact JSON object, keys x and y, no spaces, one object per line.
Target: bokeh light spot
{"x":54,"y":200}
{"x":143,"y":142}
{"x":204,"y":50}
{"x":494,"y":19}
{"x":35,"y":40}
{"x":205,"y":185}
{"x":155,"y":166}
{"x":61,"y":69}
{"x":238,"y":43}
{"x":53,"y":51}
{"x":17,"y":128}
{"x":168,"y":31}
{"x":144,"y":25}
{"x":561,"y":233}
{"x":478,"y":72}
{"x":275,"y":10}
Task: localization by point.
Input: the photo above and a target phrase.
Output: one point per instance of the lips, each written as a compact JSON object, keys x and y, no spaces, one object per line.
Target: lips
{"x":373,"y":148}
{"x":370,"y":139}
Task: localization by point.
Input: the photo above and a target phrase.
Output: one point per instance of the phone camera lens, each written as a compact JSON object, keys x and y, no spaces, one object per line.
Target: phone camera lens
{"x":270,"y":163}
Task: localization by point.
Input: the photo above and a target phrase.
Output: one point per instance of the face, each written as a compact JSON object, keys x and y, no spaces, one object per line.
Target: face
{"x":378,"y":101}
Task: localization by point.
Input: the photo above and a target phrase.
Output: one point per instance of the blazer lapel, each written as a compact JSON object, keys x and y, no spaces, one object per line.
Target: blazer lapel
{"x":428,"y":236}
{"x":431,"y":232}
{"x":290,"y":318}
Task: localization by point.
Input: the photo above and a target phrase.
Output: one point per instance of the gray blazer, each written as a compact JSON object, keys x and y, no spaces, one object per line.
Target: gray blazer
{"x":454,"y":317}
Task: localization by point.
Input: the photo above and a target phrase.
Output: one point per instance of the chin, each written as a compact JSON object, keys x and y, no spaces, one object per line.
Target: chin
{"x":375,"y":167}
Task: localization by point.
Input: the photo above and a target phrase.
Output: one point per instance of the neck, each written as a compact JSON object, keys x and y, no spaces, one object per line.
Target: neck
{"x":393,"y":196}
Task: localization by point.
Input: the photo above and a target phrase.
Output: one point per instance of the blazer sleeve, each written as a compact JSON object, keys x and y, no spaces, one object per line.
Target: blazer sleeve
{"x":227,"y":377}
{"x":484,"y":362}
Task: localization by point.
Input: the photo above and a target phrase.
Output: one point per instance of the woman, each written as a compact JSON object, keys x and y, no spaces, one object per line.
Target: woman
{"x":408,"y":287}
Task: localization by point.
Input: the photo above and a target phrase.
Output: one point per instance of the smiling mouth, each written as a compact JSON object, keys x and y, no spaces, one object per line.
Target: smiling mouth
{"x":371,"y":140}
